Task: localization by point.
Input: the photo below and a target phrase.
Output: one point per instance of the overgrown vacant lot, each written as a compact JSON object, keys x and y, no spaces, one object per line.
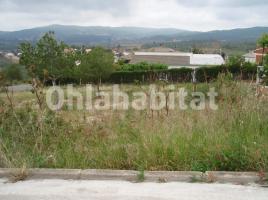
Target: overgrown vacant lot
{"x":235,"y":137}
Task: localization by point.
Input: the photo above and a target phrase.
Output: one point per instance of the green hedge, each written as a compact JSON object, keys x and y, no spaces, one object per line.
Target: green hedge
{"x":207,"y":74}
{"x":143,"y":66}
{"x":153,"y":73}
{"x":180,"y":75}
{"x":204,"y":74}
{"x":141,"y":76}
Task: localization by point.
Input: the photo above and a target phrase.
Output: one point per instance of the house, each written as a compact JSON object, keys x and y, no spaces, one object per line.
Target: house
{"x":12,"y":57}
{"x":69,"y":50}
{"x":250,"y":57}
{"x":260,"y":52}
{"x":178,"y":60}
{"x":88,"y":50}
{"x":256,"y":55}
{"x":124,"y":55}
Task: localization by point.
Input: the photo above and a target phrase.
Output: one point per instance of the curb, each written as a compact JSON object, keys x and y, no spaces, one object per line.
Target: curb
{"x":136,"y":176}
{"x":178,"y":176}
{"x":241,"y":178}
{"x":65,"y":174}
{"x":120,"y":175}
{"x":94,"y":174}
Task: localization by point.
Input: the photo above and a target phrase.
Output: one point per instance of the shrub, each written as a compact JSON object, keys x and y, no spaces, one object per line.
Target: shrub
{"x":207,"y":74}
{"x":204,"y":74}
{"x":180,"y":75}
{"x":143,"y":66}
{"x":13,"y":73}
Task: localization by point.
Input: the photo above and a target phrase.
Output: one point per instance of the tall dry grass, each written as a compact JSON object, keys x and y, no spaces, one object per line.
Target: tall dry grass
{"x":233,"y":138}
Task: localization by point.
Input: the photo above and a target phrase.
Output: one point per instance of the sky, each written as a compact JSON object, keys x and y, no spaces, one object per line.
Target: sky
{"x":200,"y":15}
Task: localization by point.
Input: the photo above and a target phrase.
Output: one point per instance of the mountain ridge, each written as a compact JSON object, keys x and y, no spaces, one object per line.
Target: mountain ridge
{"x":110,"y":36}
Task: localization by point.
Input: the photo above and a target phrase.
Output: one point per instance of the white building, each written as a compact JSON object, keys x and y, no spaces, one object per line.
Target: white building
{"x":250,"y":57}
{"x":12,"y":57}
{"x":177,"y":59}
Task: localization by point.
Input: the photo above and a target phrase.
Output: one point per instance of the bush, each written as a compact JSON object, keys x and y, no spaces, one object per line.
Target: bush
{"x":207,"y":74}
{"x":180,"y":75}
{"x":247,"y":71}
{"x":143,"y":66}
{"x":244,"y":71}
{"x":172,"y":75}
{"x":13,"y":73}
{"x":141,"y":76}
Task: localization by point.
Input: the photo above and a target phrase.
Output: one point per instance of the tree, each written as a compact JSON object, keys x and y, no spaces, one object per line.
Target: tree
{"x":28,"y":57}
{"x":263,"y":42}
{"x":2,"y":78}
{"x":46,"y":60}
{"x":75,"y":71}
{"x":223,"y":55}
{"x":97,"y":65}
{"x":13,"y":72}
{"x":266,"y":61}
{"x":235,"y":61}
{"x":51,"y":57}
{"x":71,"y":71}
{"x":196,"y":50}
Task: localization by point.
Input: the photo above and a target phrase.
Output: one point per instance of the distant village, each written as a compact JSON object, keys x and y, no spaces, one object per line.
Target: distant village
{"x":161,"y":55}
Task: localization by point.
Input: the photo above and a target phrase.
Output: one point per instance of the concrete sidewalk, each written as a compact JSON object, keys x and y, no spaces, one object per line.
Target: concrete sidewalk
{"x":121,"y":190}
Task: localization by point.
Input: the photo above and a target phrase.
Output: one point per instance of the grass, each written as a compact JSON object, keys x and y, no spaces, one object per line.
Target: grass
{"x":234,"y":138}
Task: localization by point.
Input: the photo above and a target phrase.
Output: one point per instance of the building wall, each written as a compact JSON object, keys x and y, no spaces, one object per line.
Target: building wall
{"x":259,"y":54}
{"x":168,"y":60}
{"x":251,"y":60}
{"x":260,"y":51}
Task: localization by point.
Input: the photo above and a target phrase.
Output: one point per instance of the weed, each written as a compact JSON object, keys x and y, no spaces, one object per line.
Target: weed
{"x":21,"y":175}
{"x":162,"y":180}
{"x":141,"y":176}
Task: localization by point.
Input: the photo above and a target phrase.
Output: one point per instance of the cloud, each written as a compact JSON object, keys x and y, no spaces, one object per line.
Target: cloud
{"x":222,"y":3}
{"x":37,"y":6}
{"x":183,"y":14}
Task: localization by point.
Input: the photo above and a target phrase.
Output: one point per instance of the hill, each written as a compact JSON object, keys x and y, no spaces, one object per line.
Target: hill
{"x":111,"y":36}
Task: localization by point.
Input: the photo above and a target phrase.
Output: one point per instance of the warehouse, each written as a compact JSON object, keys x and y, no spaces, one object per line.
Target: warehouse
{"x":177,"y":59}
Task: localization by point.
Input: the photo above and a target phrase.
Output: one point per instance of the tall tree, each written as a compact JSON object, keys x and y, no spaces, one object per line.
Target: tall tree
{"x":98,"y":65}
{"x":47,"y":59}
{"x":263,"y":42}
{"x":28,"y":58}
{"x":51,"y":57}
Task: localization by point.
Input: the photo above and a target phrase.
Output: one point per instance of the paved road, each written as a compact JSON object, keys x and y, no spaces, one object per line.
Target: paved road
{"x":119,"y":190}
{"x":20,"y":88}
